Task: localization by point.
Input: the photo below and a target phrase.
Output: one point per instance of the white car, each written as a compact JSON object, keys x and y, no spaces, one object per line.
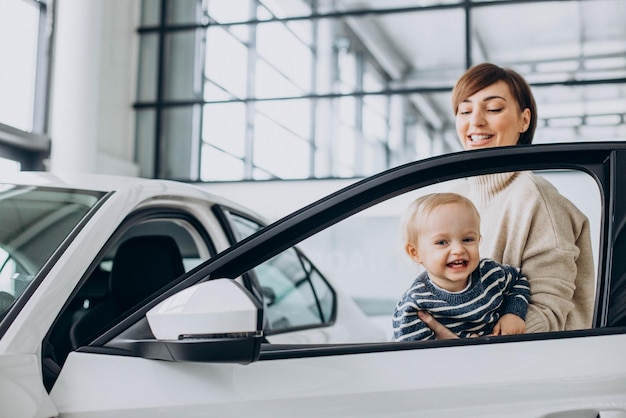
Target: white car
{"x":78,"y":252}
{"x":256,"y":330}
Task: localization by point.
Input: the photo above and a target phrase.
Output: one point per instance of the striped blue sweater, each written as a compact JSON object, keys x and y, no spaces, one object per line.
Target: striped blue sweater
{"x":494,"y":290}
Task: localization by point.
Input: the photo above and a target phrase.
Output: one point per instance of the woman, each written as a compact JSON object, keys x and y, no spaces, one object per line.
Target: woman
{"x":527,"y":223}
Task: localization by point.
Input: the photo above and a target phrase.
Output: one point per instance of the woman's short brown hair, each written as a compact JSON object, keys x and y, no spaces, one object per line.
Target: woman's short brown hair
{"x":483,"y":75}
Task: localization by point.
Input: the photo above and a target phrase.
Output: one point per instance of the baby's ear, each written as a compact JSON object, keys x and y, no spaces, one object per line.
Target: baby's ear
{"x":413,"y":253}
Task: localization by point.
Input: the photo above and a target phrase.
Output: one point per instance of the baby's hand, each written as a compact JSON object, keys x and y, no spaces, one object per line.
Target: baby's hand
{"x":509,"y":324}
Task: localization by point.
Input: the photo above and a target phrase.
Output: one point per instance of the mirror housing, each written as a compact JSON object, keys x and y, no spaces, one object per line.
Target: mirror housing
{"x":214,"y":308}
{"x":216,"y":321}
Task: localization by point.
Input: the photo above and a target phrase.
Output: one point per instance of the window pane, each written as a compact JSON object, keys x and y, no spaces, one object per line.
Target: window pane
{"x":582,"y":48}
{"x":345,"y":151}
{"x":181,"y":77}
{"x":287,"y":292}
{"x":562,"y":110}
{"x":18,"y":46}
{"x":294,"y":115}
{"x":270,"y":83}
{"x":374,"y":123}
{"x":150,"y":12}
{"x":148,"y":55}
{"x":179,"y":157}
{"x":146,"y":142}
{"x":374,"y":158}
{"x":182,"y":11}
{"x":243,"y":227}
{"x":224,"y":127}
{"x":274,"y":41}
{"x":35,"y":221}
{"x":229,"y":11}
{"x":280,"y":151}
{"x":358,"y":265}
{"x":437,"y":51}
{"x":323,"y":291}
{"x":217,"y":165}
{"x":226,"y":62}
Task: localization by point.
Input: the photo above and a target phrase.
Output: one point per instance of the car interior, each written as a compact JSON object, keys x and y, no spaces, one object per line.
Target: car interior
{"x":147,"y":257}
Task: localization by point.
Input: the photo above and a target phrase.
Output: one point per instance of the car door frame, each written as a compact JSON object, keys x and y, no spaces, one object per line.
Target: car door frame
{"x":599,"y":160}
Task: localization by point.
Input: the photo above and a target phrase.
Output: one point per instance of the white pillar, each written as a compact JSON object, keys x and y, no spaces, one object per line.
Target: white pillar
{"x":74,"y":88}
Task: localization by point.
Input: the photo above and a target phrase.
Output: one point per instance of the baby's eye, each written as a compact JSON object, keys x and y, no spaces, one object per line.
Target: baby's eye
{"x":469,"y":239}
{"x":441,"y":242}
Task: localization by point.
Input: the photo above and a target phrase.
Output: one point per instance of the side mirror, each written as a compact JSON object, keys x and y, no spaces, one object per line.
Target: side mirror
{"x":217,"y":308}
{"x":214,"y":321}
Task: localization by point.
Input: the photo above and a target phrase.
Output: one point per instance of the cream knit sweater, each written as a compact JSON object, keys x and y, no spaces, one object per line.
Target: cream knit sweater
{"x":527,"y":223}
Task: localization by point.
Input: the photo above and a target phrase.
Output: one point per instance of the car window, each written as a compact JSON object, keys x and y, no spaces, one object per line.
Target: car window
{"x":295,"y":293}
{"x":35,"y":222}
{"x":149,"y":255}
{"x":363,"y":254}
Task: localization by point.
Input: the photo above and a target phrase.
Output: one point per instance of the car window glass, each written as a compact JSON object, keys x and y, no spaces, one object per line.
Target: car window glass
{"x":244,"y":227}
{"x":295,"y":293}
{"x":288,"y":293}
{"x":364,"y":256}
{"x":35,"y":222}
{"x":324,"y":293}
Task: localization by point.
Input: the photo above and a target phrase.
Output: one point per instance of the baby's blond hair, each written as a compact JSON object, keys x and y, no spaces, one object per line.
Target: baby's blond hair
{"x":421,"y":207}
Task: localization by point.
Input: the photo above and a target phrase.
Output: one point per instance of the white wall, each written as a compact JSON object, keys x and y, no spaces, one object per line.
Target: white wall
{"x":93,"y":86}
{"x":275,"y":199}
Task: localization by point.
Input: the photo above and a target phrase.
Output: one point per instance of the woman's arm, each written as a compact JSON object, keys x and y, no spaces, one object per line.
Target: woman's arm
{"x":558,"y":262}
{"x":441,"y":332}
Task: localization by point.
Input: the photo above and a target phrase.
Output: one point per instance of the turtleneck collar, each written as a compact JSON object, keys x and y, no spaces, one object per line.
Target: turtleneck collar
{"x":485,"y":188}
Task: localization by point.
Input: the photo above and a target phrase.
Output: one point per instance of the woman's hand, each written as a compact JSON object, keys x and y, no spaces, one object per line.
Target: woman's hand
{"x":509,"y":324}
{"x":441,"y":332}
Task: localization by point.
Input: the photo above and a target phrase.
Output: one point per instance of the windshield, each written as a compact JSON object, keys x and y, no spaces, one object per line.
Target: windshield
{"x":34,"y":221}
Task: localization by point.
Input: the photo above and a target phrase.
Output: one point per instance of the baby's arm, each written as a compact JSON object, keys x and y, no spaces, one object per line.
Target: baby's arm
{"x":516,"y":299}
{"x":407,"y":326}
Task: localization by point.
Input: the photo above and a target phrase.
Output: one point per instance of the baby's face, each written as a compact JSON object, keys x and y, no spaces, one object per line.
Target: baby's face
{"x":448,"y":245}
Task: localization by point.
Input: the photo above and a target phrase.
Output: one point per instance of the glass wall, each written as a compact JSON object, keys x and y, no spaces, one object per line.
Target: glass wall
{"x":23,"y":82}
{"x":298,"y":89}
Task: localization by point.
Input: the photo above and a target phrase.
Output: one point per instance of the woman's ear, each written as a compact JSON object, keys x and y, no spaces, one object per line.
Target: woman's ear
{"x":413,"y":253}
{"x":525,"y":120}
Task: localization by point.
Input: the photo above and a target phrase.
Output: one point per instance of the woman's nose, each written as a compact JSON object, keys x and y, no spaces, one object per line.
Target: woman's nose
{"x":477,"y":118}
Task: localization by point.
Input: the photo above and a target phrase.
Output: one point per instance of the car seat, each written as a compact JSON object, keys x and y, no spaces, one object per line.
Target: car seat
{"x":141,"y":266}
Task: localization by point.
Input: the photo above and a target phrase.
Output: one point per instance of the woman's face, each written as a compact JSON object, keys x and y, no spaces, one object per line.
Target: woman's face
{"x":491,"y":118}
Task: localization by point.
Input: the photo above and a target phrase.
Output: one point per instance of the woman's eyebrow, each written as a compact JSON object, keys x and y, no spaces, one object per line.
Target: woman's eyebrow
{"x":486,"y":99}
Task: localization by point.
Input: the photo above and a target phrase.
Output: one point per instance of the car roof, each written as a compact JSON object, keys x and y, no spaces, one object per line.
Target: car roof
{"x":121,"y":184}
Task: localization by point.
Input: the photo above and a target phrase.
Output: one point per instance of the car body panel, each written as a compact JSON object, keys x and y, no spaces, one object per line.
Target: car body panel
{"x":523,"y":379}
{"x":21,"y":389}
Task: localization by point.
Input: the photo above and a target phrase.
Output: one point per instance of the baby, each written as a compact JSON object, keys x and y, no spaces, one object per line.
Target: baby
{"x":470,"y":296}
